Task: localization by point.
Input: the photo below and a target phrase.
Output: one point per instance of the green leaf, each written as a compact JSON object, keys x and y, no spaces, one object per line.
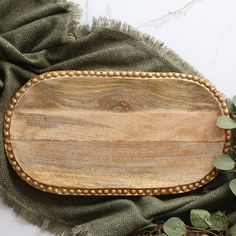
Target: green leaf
{"x":218,"y":221}
{"x":174,"y":227}
{"x":224,"y":162}
{"x":200,"y":218}
{"x":232,"y":186}
{"x":234,"y":101}
{"x":225,"y":122}
{"x":233,"y":230}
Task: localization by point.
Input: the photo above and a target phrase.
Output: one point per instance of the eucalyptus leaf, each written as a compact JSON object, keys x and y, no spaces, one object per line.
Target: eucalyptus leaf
{"x":174,"y":227}
{"x":232,"y":186}
{"x":225,"y":122}
{"x":233,"y":230}
{"x":218,"y":221}
{"x":234,"y":101}
{"x":224,"y":162}
{"x":200,"y":218}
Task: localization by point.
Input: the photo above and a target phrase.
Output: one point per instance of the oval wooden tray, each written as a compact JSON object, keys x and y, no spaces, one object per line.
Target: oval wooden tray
{"x":115,"y":133}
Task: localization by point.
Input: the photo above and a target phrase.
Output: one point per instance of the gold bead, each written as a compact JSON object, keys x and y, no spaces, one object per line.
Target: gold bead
{"x":72,"y":191}
{"x":149,"y":74}
{"x":140,"y":191}
{"x":56,"y":190}
{"x":176,"y":75}
{"x":7,"y":120}
{"x":217,"y":94}
{"x":117,"y":73}
{"x":23,"y":175}
{"x":213,"y":173}
{"x":207,"y":84}
{"x":17,"y":95}
{"x":35,"y":183}
{"x":28,"y":84}
{"x":41,"y":77}
{"x":11,"y":156}
{"x":41,"y":186}
{"x":99,"y":191}
{"x":6,"y":126}
{"x":201,"y":81}
{"x":207,"y":177}
{"x":85,"y":191}
{"x":14,"y":163}
{"x":155,"y":191}
{"x":78,"y":73}
{"x":228,"y":137}
{"x":228,"y":132}
{"x":119,"y":191}
{"x":226,"y":111}
{"x":70,"y":73}
{"x":184,"y":187}
{"x":148,"y":191}
{"x":106,"y":191}
{"x":9,"y":149}
{"x":197,"y":185}
{"x":49,"y":188}
{"x":11,"y":107}
{"x":104,"y":73}
{"x":170,"y":190}
{"x":212,"y":89}
{"x":93,"y":191}
{"x":163,"y":74}
{"x":226,"y":150}
{"x":224,"y":105}
{"x":191,"y":186}
{"x":85,"y":73}
{"x":79,"y":191}
{"x":136,"y":74}
{"x":34,"y":80}
{"x":28,"y":179}
{"x":170,"y":74}
{"x":113,"y":191}
{"x":54,"y":74}
{"x":6,"y":133}
{"x":64,"y":191}
{"x":62,"y":73}
{"x":92,"y":73}
{"x":125,"y":191}
{"x":133,"y":191}
{"x":123,"y":73}
{"x":163,"y":191}
{"x":48,"y":75}
{"x":177,"y":189}
{"x":189,"y":77}
{"x":110,"y":73}
{"x":203,"y":181}
{"x":18,"y":168}
{"x":97,"y":73}
{"x":157,"y":74}
{"x":183,"y":76}
{"x":9,"y":113}
{"x":22,"y":90}
{"x":130,"y":73}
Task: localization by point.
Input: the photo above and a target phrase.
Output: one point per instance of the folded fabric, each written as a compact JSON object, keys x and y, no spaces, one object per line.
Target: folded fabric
{"x":44,"y":35}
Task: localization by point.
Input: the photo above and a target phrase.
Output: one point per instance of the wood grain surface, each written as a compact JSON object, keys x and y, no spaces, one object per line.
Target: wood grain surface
{"x":88,"y":132}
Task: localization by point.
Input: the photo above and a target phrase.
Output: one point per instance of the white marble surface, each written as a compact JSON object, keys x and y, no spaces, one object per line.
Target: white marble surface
{"x":203,"y":32}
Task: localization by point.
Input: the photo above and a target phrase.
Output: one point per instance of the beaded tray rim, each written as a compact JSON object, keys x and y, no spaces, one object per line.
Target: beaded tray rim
{"x":107,"y":191}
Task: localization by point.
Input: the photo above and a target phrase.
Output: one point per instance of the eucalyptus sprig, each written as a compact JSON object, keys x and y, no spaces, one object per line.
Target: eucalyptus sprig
{"x":225,"y":162}
{"x":203,"y":223}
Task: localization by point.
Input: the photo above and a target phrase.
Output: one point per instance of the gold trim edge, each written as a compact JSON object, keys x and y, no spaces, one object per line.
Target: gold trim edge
{"x":109,"y":191}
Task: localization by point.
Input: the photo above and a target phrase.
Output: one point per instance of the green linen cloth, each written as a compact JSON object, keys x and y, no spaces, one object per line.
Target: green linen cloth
{"x":44,"y":35}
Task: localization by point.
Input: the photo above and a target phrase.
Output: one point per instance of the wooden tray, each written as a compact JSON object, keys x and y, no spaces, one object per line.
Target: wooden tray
{"x":115,"y":133}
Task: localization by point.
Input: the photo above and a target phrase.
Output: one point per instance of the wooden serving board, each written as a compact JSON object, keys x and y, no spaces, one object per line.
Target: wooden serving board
{"x":115,"y":133}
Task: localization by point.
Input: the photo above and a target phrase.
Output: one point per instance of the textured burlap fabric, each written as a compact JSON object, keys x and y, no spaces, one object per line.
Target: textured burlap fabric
{"x":43,"y":35}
